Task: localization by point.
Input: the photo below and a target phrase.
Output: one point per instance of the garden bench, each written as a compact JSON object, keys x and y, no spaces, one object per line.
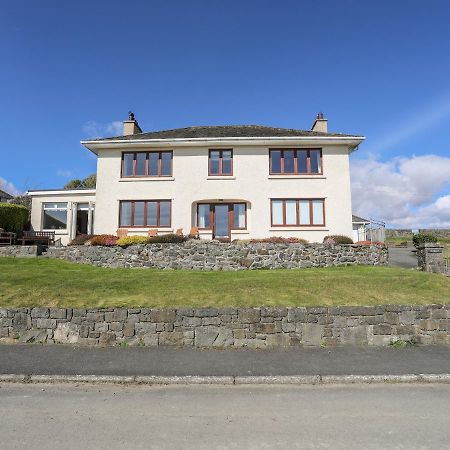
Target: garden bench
{"x":7,"y":238}
{"x":39,"y":237}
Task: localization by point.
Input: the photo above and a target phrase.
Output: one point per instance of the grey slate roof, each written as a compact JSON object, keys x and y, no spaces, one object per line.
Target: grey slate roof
{"x":4,"y":194}
{"x":225,"y":131}
{"x":357,"y":219}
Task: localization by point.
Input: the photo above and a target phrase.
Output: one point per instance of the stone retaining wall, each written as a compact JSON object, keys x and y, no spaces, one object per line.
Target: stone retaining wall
{"x":21,"y":251}
{"x":229,"y":327}
{"x":211,"y":255}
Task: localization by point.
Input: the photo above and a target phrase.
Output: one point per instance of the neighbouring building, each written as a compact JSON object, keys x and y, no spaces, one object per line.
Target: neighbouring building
{"x":4,"y":196}
{"x":230,"y":182}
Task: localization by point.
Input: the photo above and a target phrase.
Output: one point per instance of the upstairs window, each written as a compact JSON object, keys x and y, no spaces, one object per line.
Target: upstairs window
{"x":295,"y":162}
{"x":298,"y":212}
{"x":147,"y":164}
{"x":220,"y":162}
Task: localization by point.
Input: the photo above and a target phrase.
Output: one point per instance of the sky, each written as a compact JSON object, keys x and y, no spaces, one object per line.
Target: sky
{"x":73,"y":70}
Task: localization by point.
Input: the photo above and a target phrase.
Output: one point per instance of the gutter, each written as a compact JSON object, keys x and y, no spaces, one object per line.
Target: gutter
{"x":37,"y":192}
{"x":353,"y":142}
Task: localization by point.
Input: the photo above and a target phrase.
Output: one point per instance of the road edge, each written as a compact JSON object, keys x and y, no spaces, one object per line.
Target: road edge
{"x":226,"y":380}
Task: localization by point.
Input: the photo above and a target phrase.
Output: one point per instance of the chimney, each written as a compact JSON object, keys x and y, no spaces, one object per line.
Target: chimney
{"x":131,"y":125}
{"x":320,"y":124}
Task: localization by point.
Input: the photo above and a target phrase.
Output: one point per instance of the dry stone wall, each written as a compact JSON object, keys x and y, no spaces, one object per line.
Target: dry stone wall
{"x":211,"y":255}
{"x":21,"y":251}
{"x":229,"y":327}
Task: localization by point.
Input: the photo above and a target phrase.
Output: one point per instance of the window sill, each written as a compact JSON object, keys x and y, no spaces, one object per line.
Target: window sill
{"x":297,"y":177}
{"x":57,"y":232}
{"x":221,"y":177}
{"x":240,"y":232}
{"x":146,"y":179}
{"x":317,"y":228}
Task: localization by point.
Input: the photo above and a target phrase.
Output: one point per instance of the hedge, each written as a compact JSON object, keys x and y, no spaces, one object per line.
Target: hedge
{"x":423,"y":238}
{"x":13,"y":217}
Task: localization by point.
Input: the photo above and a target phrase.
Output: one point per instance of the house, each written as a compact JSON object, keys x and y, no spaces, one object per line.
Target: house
{"x":4,"y":196}
{"x":359,"y":228}
{"x":231,"y":182}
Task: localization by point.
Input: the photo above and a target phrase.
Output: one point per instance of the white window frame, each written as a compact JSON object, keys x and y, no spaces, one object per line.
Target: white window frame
{"x":55,"y":207}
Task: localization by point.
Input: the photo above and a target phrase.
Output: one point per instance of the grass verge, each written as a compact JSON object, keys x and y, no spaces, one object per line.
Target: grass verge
{"x":47,"y":282}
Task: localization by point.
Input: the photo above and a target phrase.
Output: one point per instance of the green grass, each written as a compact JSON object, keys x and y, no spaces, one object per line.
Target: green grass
{"x":46,"y":282}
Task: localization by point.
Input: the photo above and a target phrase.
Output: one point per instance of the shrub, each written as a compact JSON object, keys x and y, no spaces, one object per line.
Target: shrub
{"x":107,"y":240}
{"x":337,"y":239}
{"x":81,"y":239}
{"x":422,"y":238}
{"x":279,"y":240}
{"x":132,"y":240}
{"x":167,"y":239}
{"x":13,"y":217}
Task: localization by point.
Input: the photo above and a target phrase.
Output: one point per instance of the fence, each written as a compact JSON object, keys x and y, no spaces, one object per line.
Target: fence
{"x":376,"y":231}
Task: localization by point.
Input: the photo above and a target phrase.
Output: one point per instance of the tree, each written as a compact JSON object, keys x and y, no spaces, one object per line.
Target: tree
{"x":74,"y":184}
{"x":87,"y":183}
{"x":90,"y":182}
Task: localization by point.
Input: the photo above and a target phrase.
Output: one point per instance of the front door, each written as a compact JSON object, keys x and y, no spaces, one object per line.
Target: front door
{"x":221,"y":228}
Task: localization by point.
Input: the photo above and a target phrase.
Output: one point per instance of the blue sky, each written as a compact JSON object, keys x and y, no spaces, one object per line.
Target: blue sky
{"x":374,"y":68}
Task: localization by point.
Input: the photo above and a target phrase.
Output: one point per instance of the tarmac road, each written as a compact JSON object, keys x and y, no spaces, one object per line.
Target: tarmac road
{"x":224,"y":417}
{"x":35,"y":359}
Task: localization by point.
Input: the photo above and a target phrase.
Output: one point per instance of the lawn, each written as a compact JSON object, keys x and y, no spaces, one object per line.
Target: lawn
{"x":47,"y":282}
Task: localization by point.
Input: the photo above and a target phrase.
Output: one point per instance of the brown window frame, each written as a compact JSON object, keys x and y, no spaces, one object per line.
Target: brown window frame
{"x":297,"y":224}
{"x":146,"y":202}
{"x":220,"y":174}
{"x":147,"y":164}
{"x":230,"y":214}
{"x":295,"y":150}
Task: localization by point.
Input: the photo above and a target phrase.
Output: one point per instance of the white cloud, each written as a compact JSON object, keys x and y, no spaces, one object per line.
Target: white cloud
{"x":64,"y":173}
{"x":94,"y":129}
{"x":9,"y":187}
{"x":404,"y":192}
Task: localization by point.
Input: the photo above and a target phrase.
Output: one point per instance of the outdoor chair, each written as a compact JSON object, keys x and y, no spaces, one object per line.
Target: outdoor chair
{"x":7,"y":238}
{"x":39,"y":237}
{"x":122,"y":232}
{"x":194,"y":233}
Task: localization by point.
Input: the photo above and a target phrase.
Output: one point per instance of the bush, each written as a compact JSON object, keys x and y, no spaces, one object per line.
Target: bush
{"x":167,"y":239}
{"x":132,"y":240}
{"x":422,"y":238}
{"x":13,"y":217}
{"x":279,"y":240}
{"x":81,"y":239}
{"x":337,"y":239}
{"x":106,"y":240}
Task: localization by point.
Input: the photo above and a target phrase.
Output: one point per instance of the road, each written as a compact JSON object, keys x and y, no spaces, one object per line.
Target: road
{"x":219,"y":417}
{"x":166,"y":361}
{"x":403,"y":257}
